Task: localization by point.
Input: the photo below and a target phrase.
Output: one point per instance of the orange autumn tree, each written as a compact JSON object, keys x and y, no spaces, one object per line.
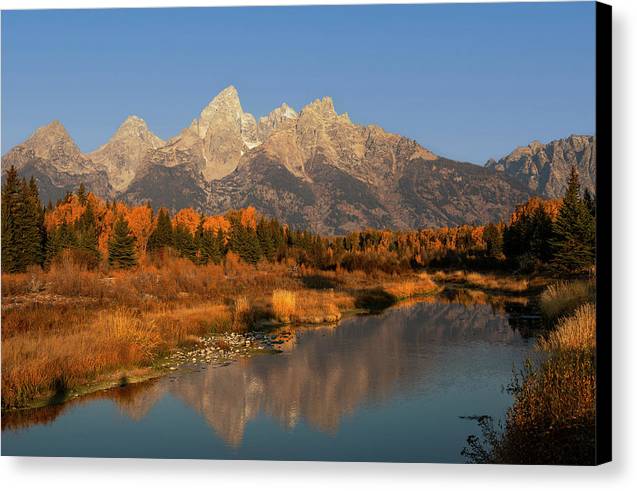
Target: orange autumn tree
{"x":188,"y":218}
{"x":264,"y":238}
{"x":140,"y":221}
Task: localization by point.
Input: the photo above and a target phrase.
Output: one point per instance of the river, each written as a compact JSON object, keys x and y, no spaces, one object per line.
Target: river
{"x":390,"y":387}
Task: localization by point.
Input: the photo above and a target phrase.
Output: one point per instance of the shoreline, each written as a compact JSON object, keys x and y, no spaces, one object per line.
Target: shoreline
{"x":163,"y":365}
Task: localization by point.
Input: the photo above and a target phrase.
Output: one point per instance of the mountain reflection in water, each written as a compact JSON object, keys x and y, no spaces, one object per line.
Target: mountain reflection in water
{"x":326,"y":374}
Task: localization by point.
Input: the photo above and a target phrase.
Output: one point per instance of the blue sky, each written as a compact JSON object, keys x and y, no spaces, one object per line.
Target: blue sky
{"x":467,"y":81}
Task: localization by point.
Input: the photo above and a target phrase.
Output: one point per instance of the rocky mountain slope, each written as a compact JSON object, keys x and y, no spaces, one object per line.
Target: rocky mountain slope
{"x":313,"y":168}
{"x":124,"y":152}
{"x":51,"y":156}
{"x":544,"y":168}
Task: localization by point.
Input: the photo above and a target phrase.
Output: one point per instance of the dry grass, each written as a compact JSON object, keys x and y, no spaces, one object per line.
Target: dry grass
{"x":17,"y":284}
{"x":403,"y":289}
{"x":283,"y":305}
{"x":576,"y":332}
{"x":482,"y":280}
{"x":552,"y":420}
{"x":242,"y":314}
{"x":306,"y":307}
{"x":316,"y":307}
{"x":563,"y":297}
{"x":70,"y":326}
{"x":39,"y":362}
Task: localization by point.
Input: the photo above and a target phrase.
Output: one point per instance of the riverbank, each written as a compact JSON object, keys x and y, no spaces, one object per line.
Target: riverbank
{"x":552,"y":420}
{"x":68,"y":331}
{"x":490,"y":282}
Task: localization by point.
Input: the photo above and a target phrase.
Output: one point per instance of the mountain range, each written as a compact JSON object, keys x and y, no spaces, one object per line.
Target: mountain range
{"x":314,"y":168}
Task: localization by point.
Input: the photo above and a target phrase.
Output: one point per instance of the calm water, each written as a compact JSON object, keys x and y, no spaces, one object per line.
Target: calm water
{"x":391,"y":387}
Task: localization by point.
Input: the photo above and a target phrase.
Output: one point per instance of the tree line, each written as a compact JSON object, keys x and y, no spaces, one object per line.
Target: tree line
{"x":556,"y":234}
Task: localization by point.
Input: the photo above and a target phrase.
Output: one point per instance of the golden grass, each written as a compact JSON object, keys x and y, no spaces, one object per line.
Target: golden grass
{"x":70,"y":326}
{"x":564,"y":297}
{"x":37,"y":362}
{"x":552,"y":420}
{"x":410,"y":287}
{"x":316,"y":307}
{"x":576,"y":332}
{"x":241,"y":313}
{"x":484,"y":280}
{"x":283,"y":305}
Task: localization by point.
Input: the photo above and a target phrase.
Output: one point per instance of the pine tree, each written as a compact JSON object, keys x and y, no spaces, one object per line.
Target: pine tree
{"x":540,"y":235}
{"x":493,"y":238}
{"x":590,"y":201}
{"x":22,"y":224}
{"x":87,"y":238}
{"x":245,"y":242}
{"x":210,"y":246}
{"x":265,"y":235}
{"x":81,"y":194}
{"x":121,"y":247}
{"x":162,"y":236}
{"x":574,"y":231}
{"x":184,"y":242}
{"x":11,"y":223}
{"x":35,"y":226}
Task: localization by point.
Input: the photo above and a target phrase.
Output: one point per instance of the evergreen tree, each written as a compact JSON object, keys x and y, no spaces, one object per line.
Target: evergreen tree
{"x":211,"y":246}
{"x":81,"y":194}
{"x":12,"y":260}
{"x":245,"y":242}
{"x":590,"y":201}
{"x":35,"y":224}
{"x":493,"y":238}
{"x":87,"y":237}
{"x":574,"y":231}
{"x":265,"y":234}
{"x":184,"y":242}
{"x":60,"y":238}
{"x":22,"y":224}
{"x":162,"y":236}
{"x":121,"y":247}
{"x":540,"y":235}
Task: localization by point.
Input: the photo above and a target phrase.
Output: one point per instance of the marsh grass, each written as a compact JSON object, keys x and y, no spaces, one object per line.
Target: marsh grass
{"x":407,"y":288}
{"x":484,"y":280}
{"x":563,"y":297}
{"x":552,"y":420}
{"x":71,"y":326}
{"x":283,"y":305}
{"x":576,"y":332}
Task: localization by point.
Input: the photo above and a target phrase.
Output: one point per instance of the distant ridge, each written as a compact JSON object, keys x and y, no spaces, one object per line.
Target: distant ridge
{"x":313,"y":168}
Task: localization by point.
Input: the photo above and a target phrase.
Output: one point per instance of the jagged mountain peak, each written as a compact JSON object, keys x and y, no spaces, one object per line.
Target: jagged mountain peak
{"x":283,"y":111}
{"x":544,"y":167}
{"x":277,"y":118}
{"x":135,"y":128}
{"x":55,"y":129}
{"x":51,"y":156}
{"x":124,"y":153}
{"x":225,"y":104}
{"x":323,"y":106}
{"x":52,"y":141}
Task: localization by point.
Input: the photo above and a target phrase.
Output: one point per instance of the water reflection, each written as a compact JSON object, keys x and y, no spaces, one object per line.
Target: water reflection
{"x":327,"y":373}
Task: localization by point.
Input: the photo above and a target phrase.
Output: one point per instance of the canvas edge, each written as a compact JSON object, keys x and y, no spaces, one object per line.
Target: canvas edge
{"x":603,"y":132}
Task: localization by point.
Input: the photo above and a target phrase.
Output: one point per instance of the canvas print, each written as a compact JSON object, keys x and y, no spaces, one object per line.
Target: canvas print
{"x":346,"y":233}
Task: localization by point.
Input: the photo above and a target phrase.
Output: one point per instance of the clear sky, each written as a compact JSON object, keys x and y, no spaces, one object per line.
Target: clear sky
{"x":468,"y":81}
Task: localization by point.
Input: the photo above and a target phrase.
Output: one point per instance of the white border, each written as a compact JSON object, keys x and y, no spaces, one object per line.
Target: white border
{"x":110,"y":474}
